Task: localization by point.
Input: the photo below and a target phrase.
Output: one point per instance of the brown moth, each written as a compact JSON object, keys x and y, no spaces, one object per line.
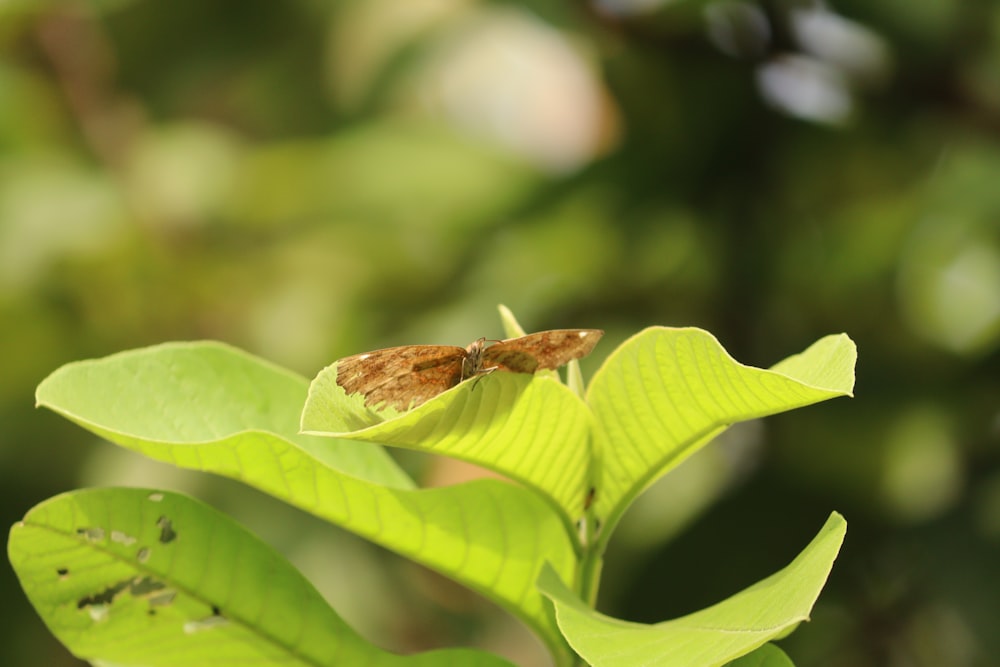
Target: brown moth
{"x":404,"y":377}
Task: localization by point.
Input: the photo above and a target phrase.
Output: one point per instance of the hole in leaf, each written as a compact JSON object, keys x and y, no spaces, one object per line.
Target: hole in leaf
{"x":141,"y":586}
{"x":92,"y":534}
{"x":166,"y":527}
{"x":207,"y":623}
{"x":122,"y":538}
{"x":98,"y":612}
{"x":155,"y":592}
{"x":105,"y":597}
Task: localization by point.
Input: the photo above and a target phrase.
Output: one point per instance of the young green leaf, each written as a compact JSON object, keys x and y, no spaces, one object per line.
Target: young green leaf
{"x":665,"y":393}
{"x":710,"y":637}
{"x":534,"y":430}
{"x":131,"y":576}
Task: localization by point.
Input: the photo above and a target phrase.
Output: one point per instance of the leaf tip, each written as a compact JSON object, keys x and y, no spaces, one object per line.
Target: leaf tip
{"x":512,"y":328}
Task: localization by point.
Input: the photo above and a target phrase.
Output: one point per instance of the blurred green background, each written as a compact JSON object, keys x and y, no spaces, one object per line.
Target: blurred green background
{"x":309,"y":179}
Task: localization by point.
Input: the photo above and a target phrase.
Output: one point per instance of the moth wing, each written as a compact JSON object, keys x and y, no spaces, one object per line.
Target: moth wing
{"x":506,"y":358}
{"x":401,"y":377}
{"x":542,"y":350}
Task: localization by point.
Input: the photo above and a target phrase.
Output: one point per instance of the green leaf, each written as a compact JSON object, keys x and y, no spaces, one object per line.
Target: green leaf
{"x":138,"y":577}
{"x":665,"y":393}
{"x":209,"y":407}
{"x":712,"y":636}
{"x":767,"y":655}
{"x":204,"y":392}
{"x":531,"y":429}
